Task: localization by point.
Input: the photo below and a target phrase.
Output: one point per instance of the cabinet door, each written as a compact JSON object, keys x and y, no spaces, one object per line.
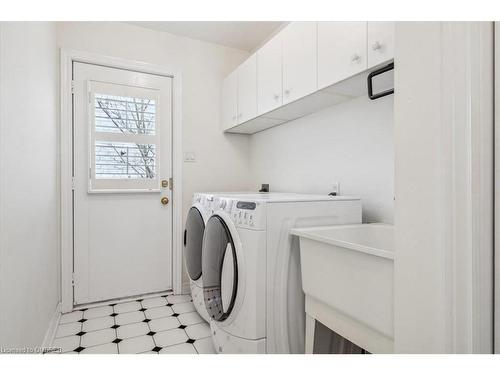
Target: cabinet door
{"x":269,"y":76}
{"x":380,"y":42}
{"x":230,"y":101}
{"x":247,"y":90}
{"x":299,"y":60}
{"x":341,"y":51}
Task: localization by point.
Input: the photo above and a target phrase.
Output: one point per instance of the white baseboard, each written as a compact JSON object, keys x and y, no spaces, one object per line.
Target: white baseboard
{"x":51,"y":331}
{"x":186,"y":288}
{"x":120,"y":300}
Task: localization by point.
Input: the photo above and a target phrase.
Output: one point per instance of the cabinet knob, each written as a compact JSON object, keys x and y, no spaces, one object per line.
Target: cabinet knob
{"x":355,"y":58}
{"x":376,"y":46}
{"x":287,"y":92}
{"x":276,"y":96}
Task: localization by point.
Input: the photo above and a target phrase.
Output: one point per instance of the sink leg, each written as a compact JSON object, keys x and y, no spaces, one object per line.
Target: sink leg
{"x":310,"y":326}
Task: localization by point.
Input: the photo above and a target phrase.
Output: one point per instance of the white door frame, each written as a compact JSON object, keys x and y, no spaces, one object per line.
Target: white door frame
{"x":67,"y":58}
{"x":444,"y":187}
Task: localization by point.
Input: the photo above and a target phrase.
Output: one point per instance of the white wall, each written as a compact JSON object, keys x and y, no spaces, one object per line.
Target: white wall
{"x":351,"y":143}
{"x":29,"y":201}
{"x":222,"y":160}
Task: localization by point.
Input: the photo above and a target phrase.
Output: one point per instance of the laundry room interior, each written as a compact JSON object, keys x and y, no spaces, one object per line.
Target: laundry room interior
{"x":248,"y":187}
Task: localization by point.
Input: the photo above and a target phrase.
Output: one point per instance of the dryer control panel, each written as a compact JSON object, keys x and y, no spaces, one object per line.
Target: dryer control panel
{"x":206,"y":200}
{"x":245,"y":214}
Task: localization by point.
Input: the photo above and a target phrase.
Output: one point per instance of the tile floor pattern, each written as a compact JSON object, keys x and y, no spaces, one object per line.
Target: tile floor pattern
{"x":157,"y":325}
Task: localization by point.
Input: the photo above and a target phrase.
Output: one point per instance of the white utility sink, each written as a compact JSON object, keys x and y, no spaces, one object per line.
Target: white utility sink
{"x":347,"y":277}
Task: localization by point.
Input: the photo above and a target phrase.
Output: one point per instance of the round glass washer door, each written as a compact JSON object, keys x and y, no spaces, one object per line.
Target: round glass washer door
{"x":193,"y":242}
{"x":220,"y":269}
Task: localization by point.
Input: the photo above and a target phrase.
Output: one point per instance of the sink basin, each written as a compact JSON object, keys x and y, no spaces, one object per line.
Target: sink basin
{"x":347,"y":277}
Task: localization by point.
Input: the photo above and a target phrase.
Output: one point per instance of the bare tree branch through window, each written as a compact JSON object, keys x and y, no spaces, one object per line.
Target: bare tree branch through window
{"x":133,"y":116}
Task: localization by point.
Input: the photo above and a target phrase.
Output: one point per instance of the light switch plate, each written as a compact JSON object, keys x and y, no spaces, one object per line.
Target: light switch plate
{"x":189,"y":157}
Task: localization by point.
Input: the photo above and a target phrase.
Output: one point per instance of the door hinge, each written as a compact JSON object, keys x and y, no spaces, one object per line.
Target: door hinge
{"x":171,"y":183}
{"x":72,"y":183}
{"x":73,"y":279}
{"x":72,"y":86}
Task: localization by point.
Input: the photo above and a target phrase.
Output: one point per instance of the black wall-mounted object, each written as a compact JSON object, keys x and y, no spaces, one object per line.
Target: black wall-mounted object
{"x":264,"y":188}
{"x":375,"y":73}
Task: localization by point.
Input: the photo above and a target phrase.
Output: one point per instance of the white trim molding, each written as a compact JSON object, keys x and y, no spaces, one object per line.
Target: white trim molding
{"x":444,"y":187}
{"x":67,"y":58}
{"x":467,"y":97}
{"x":52,"y":329}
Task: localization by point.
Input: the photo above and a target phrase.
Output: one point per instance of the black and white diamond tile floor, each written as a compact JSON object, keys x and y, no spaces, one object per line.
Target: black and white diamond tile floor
{"x":157,"y":325}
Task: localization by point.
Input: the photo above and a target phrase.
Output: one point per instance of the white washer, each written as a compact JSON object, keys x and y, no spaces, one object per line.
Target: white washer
{"x":251,"y":267}
{"x":200,"y":211}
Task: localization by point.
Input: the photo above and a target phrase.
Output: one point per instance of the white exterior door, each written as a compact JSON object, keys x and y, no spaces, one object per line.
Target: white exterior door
{"x":122,"y":162}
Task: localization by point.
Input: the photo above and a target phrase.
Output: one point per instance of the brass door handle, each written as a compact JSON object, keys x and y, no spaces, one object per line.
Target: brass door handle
{"x":164,"y":201}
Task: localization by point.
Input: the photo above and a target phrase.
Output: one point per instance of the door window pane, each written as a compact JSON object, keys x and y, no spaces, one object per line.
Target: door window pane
{"x":126,"y":115}
{"x":117,"y":160}
{"x":124,"y":138}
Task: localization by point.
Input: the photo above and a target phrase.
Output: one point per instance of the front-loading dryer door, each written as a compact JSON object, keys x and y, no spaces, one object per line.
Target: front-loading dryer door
{"x":193,"y":242}
{"x":220,"y":269}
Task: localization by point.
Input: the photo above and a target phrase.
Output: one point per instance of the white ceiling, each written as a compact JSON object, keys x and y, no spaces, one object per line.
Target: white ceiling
{"x":242,"y":35}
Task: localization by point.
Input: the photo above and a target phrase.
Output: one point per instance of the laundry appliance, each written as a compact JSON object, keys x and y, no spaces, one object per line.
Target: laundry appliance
{"x":201,"y":209}
{"x":251,"y":267}
{"x":197,"y":217}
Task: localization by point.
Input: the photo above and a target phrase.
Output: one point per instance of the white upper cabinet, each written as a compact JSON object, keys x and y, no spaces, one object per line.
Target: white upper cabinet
{"x":230,"y":101}
{"x":270,"y":76}
{"x":247,"y":89}
{"x":380,"y":42}
{"x":341,"y":51}
{"x":299,"y":60}
{"x":302,"y":69}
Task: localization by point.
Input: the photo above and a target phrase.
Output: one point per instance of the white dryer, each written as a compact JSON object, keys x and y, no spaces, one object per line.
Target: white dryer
{"x":251,"y":267}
